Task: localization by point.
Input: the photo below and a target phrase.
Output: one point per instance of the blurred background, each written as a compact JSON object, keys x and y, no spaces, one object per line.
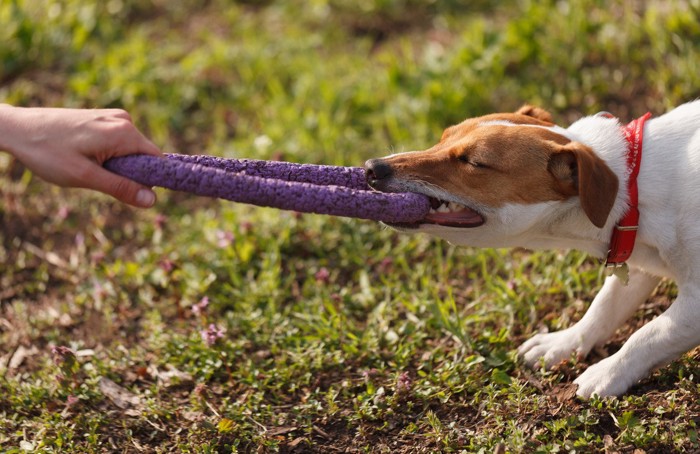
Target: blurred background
{"x":333,"y":80}
{"x":339,"y":333}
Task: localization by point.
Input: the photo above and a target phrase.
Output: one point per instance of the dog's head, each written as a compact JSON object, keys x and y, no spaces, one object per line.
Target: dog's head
{"x":502,"y":171}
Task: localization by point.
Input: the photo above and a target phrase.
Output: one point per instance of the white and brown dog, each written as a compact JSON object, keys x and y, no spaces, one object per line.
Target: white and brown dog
{"x":516,"y":179}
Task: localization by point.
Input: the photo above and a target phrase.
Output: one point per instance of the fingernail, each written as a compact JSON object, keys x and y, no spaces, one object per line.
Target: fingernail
{"x":145,"y":197}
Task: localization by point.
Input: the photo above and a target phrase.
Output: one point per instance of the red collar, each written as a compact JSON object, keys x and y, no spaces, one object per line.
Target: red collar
{"x":625,"y":232}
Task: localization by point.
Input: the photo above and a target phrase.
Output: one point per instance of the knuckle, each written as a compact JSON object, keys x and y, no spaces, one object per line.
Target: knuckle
{"x":121,"y":113}
{"x":121,"y":127}
{"x":120,"y":134}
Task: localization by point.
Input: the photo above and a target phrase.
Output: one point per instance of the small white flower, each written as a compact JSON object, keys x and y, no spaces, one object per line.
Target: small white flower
{"x":262,"y":143}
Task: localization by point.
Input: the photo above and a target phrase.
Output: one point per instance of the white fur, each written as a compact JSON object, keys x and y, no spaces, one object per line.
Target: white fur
{"x":668,"y":245}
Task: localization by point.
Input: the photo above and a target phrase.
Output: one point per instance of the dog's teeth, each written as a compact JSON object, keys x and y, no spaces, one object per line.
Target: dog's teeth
{"x":443,"y":209}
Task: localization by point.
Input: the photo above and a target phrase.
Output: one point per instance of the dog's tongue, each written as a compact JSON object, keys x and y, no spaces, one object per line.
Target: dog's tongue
{"x":463,"y":218}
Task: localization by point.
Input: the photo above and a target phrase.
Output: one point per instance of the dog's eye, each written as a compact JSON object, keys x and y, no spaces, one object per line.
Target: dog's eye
{"x":467,"y":160}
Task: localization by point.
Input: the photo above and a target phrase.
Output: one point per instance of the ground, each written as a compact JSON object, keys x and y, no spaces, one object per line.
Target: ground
{"x":207,"y":326}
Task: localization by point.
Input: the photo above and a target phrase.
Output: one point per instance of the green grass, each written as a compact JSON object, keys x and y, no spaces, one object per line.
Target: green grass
{"x":339,"y":335}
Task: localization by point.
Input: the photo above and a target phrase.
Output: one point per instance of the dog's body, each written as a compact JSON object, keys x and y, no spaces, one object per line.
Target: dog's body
{"x":519,"y":180}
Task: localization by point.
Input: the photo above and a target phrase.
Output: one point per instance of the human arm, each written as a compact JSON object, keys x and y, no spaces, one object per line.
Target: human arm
{"x":67,"y":147}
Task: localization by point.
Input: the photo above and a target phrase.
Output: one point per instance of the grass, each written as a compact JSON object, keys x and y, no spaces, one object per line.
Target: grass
{"x":338,"y":335}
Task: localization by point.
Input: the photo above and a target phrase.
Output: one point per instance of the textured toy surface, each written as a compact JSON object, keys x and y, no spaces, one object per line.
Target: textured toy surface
{"x":334,"y":190}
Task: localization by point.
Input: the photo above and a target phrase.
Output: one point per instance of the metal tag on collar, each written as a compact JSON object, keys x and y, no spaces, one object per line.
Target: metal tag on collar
{"x":621,"y":270}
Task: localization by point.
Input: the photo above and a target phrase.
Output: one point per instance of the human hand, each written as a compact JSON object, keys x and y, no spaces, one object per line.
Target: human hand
{"x":67,"y":147}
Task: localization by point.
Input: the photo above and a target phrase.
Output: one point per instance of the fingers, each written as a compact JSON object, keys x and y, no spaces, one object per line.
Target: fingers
{"x":116,"y":135}
{"x":137,"y":143}
{"x":121,"y":188}
{"x":148,"y":147}
{"x":142,"y":143}
{"x":119,"y":138}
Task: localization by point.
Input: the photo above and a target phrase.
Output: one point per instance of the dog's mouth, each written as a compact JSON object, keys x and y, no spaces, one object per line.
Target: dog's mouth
{"x":447,"y":214}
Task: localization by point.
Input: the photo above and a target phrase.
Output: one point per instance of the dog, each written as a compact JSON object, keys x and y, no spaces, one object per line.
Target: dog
{"x":518,"y":180}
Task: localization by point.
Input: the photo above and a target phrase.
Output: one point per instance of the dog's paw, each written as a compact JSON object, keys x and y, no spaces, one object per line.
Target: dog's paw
{"x":553,"y":348}
{"x":608,"y":377}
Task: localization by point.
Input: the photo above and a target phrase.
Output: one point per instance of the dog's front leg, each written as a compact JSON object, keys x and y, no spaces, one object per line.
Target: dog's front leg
{"x":656,"y":344}
{"x":614,"y":304}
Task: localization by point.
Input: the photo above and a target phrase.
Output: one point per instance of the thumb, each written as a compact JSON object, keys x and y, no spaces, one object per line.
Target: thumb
{"x":123,"y":189}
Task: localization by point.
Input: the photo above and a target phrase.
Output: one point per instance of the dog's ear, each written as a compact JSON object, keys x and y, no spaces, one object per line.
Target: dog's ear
{"x":579,"y":171}
{"x":535,"y":112}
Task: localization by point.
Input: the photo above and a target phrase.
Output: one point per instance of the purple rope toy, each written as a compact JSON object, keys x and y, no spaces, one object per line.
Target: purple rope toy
{"x":320,"y":189}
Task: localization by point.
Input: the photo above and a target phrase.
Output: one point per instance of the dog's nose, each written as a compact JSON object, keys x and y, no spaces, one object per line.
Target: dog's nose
{"x":377,"y":169}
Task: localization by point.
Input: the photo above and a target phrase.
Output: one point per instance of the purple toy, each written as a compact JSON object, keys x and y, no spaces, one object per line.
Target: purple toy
{"x":338,"y":191}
